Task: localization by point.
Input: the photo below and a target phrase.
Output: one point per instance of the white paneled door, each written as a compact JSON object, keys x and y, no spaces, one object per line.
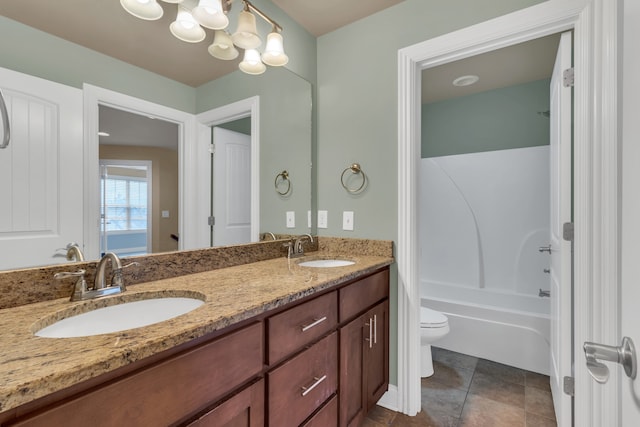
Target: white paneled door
{"x":231,"y":185}
{"x":560,"y":248}
{"x":40,"y":171}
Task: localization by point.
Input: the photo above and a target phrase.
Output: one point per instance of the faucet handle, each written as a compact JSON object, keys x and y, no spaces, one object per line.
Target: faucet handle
{"x":117,"y":279}
{"x":80,"y":287}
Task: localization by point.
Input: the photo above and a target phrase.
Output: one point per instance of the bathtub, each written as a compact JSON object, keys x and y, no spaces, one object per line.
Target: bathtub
{"x":512,"y":337}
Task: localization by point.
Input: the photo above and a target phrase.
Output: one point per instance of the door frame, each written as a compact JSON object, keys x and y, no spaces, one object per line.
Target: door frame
{"x":95,"y":96}
{"x":596,"y":182}
{"x":248,"y":107}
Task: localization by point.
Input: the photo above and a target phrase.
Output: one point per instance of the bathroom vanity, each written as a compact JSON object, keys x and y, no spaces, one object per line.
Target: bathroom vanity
{"x":275,"y":344}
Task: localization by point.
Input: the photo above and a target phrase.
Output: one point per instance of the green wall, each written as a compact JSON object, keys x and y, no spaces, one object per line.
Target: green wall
{"x":494,"y":120}
{"x":241,"y":125}
{"x":357,"y":112}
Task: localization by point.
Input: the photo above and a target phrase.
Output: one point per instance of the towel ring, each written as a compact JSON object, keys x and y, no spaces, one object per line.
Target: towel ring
{"x":355,"y":169}
{"x":284,"y":175}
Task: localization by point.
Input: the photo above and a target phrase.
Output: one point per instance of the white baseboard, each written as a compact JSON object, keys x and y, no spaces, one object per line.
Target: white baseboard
{"x":389,"y":400}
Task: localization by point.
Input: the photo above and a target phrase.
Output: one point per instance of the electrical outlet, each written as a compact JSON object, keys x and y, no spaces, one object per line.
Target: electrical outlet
{"x":323,"y":219}
{"x":347,"y":220}
{"x":291,"y":219}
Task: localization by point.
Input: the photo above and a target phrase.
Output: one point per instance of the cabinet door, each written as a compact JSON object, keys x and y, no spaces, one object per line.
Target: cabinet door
{"x":245,"y":409}
{"x":352,"y":398}
{"x":377,"y":354}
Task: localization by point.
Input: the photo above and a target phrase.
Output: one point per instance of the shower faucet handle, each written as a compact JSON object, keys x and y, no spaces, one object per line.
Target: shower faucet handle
{"x":545,"y":249}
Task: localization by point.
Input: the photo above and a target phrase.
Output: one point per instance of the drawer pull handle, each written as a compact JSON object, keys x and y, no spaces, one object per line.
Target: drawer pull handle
{"x":317,"y":381}
{"x":375,"y":329}
{"x":316,"y":322}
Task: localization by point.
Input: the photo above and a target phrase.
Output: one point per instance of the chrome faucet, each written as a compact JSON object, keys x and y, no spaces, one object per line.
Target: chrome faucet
{"x":74,"y":252}
{"x":100,"y":288}
{"x":270,"y":234}
{"x":298,"y":249}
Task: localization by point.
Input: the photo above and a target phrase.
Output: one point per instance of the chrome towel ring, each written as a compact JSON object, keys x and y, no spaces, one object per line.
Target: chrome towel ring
{"x":355,"y":169}
{"x":284,"y":177}
{"x":5,"y":123}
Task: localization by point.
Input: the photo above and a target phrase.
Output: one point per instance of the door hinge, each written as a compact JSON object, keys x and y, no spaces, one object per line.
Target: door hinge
{"x":567,"y":231}
{"x":212,"y":148}
{"x":211,"y":221}
{"x":567,"y":77}
{"x":569,"y":386}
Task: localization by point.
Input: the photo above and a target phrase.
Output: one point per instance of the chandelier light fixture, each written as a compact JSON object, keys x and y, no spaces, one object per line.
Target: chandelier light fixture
{"x":192,"y":15}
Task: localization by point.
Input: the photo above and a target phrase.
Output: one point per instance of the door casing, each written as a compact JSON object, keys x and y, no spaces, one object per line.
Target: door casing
{"x":596,"y":183}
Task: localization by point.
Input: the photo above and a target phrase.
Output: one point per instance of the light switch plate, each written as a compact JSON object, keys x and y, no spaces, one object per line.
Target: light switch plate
{"x":291,"y":219}
{"x":309,"y":219}
{"x":347,"y":220}
{"x":165,"y":214}
{"x":323,"y":219}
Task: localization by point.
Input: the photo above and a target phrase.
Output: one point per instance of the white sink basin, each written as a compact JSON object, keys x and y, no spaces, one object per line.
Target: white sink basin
{"x":120,"y":317}
{"x":324,"y":263}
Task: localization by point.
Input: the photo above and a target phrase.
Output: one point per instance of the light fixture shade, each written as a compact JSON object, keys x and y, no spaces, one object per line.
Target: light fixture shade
{"x":274,"y":51}
{"x":173,"y":1}
{"x":222,"y":46}
{"x":209,"y":14}
{"x":186,"y":28}
{"x":251,"y":63}
{"x":148,"y":10}
{"x":246,"y":36}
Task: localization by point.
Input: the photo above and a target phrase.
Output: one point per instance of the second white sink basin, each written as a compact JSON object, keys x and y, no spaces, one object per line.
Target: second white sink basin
{"x":326,"y":263}
{"x":120,"y":317}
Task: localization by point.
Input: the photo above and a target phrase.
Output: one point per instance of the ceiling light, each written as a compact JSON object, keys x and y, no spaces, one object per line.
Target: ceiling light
{"x":222,"y":46}
{"x":274,"y":51}
{"x":149,"y":10}
{"x":212,"y":14}
{"x":251,"y":64}
{"x":466,"y":80}
{"x":104,"y":133}
{"x":186,"y":28}
{"x":246,"y":36}
{"x":209,"y":14}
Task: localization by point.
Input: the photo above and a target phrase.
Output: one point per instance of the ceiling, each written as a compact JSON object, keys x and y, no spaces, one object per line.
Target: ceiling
{"x":517,"y":64}
{"x":125,"y":128}
{"x":104,"y":26}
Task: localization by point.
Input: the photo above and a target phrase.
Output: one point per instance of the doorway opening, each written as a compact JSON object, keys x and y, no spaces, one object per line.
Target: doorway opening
{"x":126,"y":187}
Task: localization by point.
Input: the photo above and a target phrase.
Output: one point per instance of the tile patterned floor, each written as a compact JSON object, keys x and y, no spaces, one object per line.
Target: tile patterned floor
{"x":469,"y":392}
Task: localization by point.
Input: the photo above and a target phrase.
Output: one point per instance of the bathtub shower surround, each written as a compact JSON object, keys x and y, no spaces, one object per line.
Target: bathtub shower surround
{"x":483,"y":217}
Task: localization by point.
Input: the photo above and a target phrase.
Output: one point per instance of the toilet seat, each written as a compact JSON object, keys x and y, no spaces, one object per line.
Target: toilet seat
{"x":432,"y":319}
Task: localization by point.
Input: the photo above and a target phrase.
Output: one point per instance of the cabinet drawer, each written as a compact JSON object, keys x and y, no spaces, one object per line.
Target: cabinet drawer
{"x":168,"y":392}
{"x":359,"y":296}
{"x":296,"y":327}
{"x":327,"y":416}
{"x":300,"y":386}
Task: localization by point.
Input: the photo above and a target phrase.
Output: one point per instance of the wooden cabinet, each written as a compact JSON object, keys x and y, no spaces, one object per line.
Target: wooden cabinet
{"x":166,"y":393}
{"x":319,"y":363}
{"x":364,"y":347}
{"x":302,"y":384}
{"x":244,"y":409}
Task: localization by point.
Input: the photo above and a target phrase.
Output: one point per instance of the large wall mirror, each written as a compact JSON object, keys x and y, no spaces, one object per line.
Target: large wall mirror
{"x":178,"y":179}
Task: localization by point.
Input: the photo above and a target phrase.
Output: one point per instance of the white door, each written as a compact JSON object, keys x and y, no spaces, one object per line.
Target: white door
{"x":231,"y":186}
{"x":630,"y":274}
{"x":560,"y":276}
{"x":38,"y":216}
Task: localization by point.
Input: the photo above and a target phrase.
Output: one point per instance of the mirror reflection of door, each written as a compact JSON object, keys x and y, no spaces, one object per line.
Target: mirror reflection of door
{"x":126,"y":188}
{"x":231,"y":183}
{"x":137,"y":139}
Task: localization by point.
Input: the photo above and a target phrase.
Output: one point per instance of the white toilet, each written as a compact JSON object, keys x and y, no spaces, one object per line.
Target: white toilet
{"x":433,"y":326}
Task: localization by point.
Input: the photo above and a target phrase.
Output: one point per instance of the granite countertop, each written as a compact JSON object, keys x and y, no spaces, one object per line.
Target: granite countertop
{"x":32,"y":367}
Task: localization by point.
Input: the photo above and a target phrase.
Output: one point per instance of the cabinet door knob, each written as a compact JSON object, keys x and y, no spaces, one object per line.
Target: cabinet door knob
{"x":316,"y":382}
{"x":315,"y":322}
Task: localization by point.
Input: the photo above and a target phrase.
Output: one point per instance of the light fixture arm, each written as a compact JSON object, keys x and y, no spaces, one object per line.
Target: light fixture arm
{"x":249,"y":6}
